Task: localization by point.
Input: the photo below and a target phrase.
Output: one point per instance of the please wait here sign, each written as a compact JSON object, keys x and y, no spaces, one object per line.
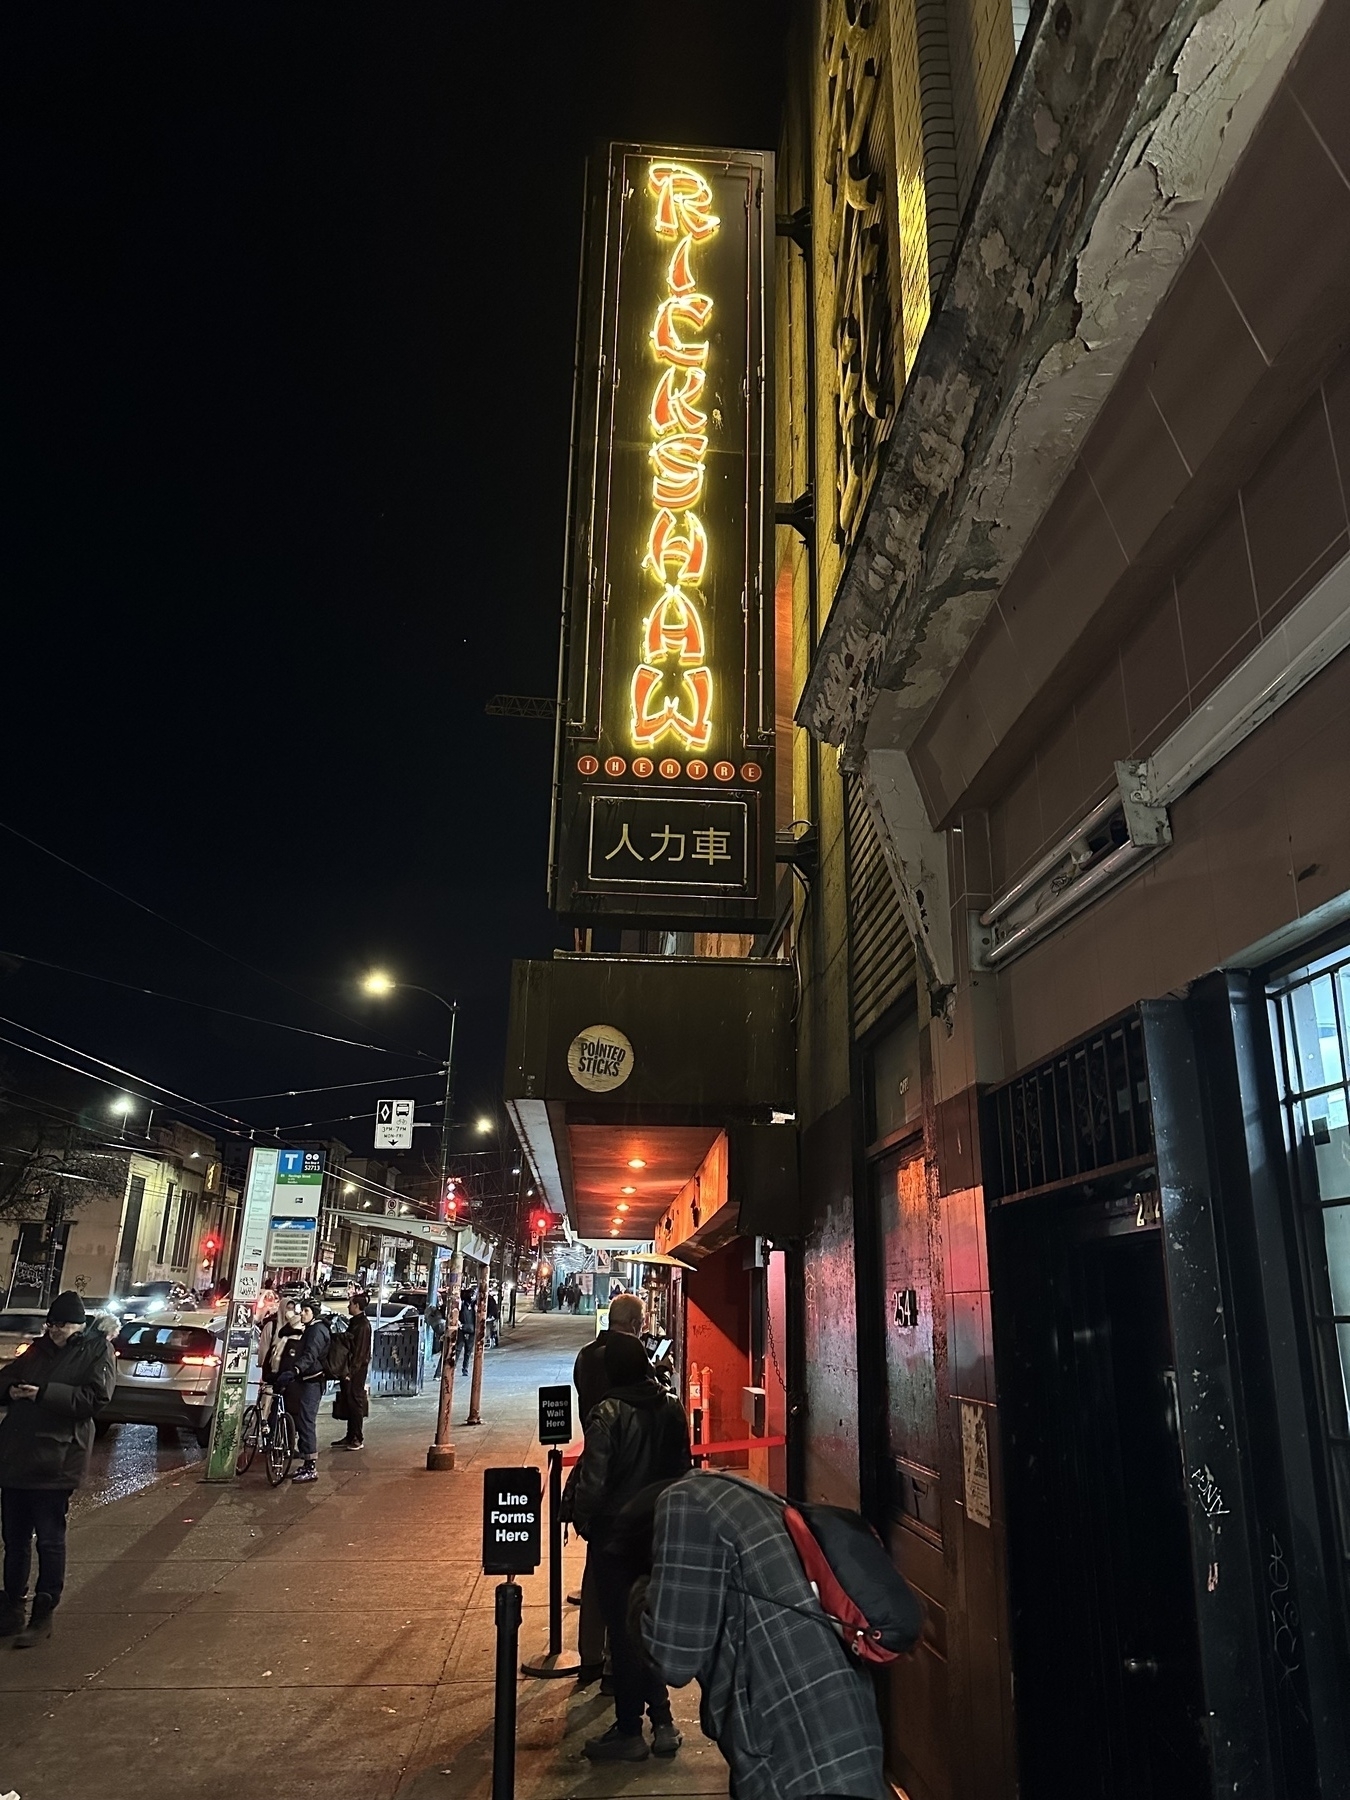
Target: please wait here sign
{"x":512,"y":1515}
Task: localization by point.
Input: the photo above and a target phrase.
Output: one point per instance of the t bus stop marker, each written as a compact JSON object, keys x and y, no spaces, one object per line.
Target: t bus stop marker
{"x":512,"y":1504}
{"x":555,"y":1429}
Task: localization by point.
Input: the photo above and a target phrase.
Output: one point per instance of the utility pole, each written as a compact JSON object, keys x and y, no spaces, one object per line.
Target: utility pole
{"x":441,"y":1454}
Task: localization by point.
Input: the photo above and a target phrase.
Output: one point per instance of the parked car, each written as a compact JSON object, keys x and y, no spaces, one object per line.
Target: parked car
{"x":18,"y":1330}
{"x":384,"y":1314}
{"x":168,"y":1370}
{"x":414,"y":1297}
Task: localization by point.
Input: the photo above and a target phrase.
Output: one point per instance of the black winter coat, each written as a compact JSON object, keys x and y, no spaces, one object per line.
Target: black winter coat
{"x":303,"y":1356}
{"x":636,"y":1436}
{"x":45,"y":1443}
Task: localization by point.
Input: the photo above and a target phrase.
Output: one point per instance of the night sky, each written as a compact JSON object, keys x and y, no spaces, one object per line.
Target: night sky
{"x":288,"y":298}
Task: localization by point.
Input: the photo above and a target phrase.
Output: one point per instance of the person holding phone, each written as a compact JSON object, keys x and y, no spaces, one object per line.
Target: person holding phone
{"x":50,"y":1391}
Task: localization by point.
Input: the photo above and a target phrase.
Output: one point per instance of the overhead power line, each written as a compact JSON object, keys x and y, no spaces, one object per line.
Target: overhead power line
{"x":134,"y":987}
{"x":173,"y":925}
{"x":332,"y":1087}
{"x":128,"y":1075}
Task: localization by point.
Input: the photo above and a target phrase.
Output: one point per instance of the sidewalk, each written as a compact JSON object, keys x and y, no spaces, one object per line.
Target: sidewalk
{"x":329,"y":1642}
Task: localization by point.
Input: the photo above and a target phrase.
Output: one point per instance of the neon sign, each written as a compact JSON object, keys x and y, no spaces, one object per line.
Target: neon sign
{"x":672,"y":692}
{"x":667,"y":731}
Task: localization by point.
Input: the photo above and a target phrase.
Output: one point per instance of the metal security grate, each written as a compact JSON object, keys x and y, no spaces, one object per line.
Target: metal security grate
{"x":882,"y":953}
{"x":1085,"y":1110}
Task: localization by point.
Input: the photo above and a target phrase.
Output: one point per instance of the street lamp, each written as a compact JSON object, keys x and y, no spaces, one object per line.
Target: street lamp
{"x":123,"y":1105}
{"x":483,"y":1125}
{"x":441,"y":1454}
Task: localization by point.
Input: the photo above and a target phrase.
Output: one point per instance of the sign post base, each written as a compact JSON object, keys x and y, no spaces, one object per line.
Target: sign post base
{"x":550,"y":1667}
{"x":508,"y":1611}
{"x":441,"y":1456}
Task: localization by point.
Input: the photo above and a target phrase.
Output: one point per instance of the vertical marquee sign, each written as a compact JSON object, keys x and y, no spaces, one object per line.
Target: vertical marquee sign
{"x":663,"y":804}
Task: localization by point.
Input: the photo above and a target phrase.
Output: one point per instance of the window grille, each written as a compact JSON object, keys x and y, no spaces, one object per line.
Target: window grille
{"x":881,"y":952}
{"x":1312,"y":1030}
{"x":1084,"y":1111}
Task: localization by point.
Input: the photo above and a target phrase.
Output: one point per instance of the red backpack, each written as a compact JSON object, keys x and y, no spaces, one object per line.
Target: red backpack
{"x":861,"y":1592}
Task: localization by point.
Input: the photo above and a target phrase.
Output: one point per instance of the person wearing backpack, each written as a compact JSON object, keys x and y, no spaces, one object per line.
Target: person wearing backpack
{"x":301,"y":1377}
{"x":636,"y":1436}
{"x":730,"y":1605}
{"x":353,"y":1402}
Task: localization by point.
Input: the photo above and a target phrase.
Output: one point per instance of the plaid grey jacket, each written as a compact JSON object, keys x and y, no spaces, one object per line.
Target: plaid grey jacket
{"x":729,"y":1606}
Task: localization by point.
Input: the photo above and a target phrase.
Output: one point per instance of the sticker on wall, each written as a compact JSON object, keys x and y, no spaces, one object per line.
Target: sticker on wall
{"x":975,"y":1460}
{"x":600,"y":1059}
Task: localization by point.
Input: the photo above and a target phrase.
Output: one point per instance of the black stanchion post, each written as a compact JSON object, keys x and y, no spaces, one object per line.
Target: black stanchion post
{"x":555,"y":1548}
{"x":555,"y":1429}
{"x":504,"y":1711}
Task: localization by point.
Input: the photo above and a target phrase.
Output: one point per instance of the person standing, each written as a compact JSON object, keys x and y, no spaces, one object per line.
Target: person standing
{"x":353,"y":1401}
{"x":494,"y":1314}
{"x":468,"y":1326}
{"x":51,"y":1392}
{"x":301,"y":1378}
{"x":636,"y":1438}
{"x":592,"y":1384}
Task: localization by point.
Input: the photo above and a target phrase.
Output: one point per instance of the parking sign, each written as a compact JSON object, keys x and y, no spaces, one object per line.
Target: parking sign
{"x":393,"y":1124}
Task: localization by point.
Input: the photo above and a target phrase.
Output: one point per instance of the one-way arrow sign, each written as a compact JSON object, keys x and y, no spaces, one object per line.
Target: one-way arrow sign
{"x":393,"y":1124}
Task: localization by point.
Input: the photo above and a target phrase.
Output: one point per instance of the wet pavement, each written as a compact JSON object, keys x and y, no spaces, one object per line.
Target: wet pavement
{"x":131,"y":1457}
{"x":332,"y":1642}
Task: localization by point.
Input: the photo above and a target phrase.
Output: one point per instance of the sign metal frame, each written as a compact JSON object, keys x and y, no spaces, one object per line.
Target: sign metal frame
{"x":664,"y":797}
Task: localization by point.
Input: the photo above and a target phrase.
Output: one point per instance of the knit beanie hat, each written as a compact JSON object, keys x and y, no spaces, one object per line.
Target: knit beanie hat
{"x":66,"y":1309}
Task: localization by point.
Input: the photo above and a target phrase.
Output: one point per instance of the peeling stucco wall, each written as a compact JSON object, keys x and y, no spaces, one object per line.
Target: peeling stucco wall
{"x":1117,"y":140}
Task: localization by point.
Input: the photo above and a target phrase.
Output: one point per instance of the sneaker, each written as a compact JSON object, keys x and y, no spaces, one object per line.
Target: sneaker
{"x":617,"y":1746}
{"x":308,"y":1472}
{"x":39,"y":1623}
{"x":341,"y":1443}
{"x":666,"y":1739}
{"x":12,"y":1618}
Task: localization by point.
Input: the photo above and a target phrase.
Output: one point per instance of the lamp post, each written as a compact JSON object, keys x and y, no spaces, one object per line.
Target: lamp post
{"x":441,"y":1453}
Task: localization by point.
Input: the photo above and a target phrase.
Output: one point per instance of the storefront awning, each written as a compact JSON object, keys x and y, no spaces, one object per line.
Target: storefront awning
{"x":421,"y":1231}
{"x":624,"y":1072}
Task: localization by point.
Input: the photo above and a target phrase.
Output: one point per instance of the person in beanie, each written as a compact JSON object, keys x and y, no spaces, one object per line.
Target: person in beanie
{"x":50,"y":1393}
{"x":353,"y":1402}
{"x":468,"y":1325}
{"x":302,"y":1379}
{"x":637,"y":1437}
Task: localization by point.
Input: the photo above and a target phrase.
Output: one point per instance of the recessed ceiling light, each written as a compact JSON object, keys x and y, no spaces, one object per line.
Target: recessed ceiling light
{"x":623,"y":1206}
{"x":637,"y":1162}
{"x":614,"y":1234}
{"x":629,"y":1189}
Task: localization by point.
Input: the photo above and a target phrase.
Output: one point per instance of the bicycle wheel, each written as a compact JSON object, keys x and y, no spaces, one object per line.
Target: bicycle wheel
{"x":250,"y":1436}
{"x":280,"y":1447}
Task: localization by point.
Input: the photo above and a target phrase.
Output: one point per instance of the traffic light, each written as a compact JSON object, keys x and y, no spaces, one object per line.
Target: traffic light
{"x":210,"y":1247}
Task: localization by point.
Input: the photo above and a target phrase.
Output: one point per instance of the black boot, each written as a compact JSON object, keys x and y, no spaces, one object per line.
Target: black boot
{"x":39,"y":1623}
{"x":12,"y":1617}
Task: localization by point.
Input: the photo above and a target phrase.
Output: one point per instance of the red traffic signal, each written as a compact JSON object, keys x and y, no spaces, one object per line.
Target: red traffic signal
{"x":542,"y":1221}
{"x":210,"y":1246}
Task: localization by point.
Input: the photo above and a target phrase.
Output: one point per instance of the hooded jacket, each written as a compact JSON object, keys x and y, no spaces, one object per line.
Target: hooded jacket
{"x":636,"y":1436}
{"x":45,"y":1443}
{"x":303,"y":1356}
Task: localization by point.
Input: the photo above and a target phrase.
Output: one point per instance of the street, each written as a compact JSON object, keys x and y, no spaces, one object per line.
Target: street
{"x":331,"y":1641}
{"x":130,"y":1457}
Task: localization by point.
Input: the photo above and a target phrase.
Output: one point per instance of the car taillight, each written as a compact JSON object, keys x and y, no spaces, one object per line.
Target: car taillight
{"x":201,"y":1362}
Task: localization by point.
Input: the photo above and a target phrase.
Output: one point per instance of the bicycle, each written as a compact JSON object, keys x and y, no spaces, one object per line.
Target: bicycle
{"x":270,"y":1429}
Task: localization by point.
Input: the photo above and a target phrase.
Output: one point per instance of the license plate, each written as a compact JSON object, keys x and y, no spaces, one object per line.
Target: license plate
{"x":152,"y":1369}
